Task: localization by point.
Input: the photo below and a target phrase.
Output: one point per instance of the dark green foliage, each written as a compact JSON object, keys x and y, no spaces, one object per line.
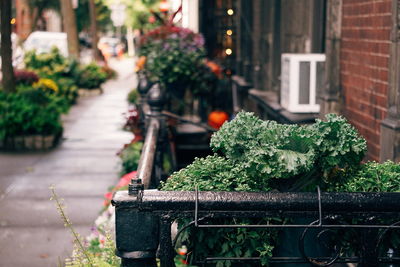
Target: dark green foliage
{"x":91,"y":76}
{"x":63,"y":71}
{"x":266,"y":149}
{"x":28,"y":113}
{"x":103,"y":15}
{"x":130,"y":156}
{"x":338,"y":143}
{"x":256,"y":155}
{"x":213,"y":173}
{"x":371,"y":177}
{"x":133,"y":96}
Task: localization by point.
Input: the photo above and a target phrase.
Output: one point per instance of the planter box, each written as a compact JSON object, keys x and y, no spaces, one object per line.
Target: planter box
{"x":38,"y":139}
{"x":90,"y":92}
{"x":29,"y":142}
{"x":48,"y":141}
{"x":19,"y":143}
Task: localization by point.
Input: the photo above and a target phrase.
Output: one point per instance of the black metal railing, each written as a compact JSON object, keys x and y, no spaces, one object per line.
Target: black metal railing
{"x":326,"y":211}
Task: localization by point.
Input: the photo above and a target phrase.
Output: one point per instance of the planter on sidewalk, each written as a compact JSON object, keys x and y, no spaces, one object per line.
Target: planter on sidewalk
{"x":30,"y":142}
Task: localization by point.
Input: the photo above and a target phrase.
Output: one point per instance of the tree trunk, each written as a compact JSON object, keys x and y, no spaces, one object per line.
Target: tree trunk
{"x":93,"y":30}
{"x":8,"y":80}
{"x":70,"y":28}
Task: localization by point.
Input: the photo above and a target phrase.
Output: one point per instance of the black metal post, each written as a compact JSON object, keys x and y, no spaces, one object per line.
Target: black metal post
{"x":369,"y":251}
{"x":156,"y":101}
{"x":136,"y":237}
{"x":166,"y":252}
{"x":143,"y":87}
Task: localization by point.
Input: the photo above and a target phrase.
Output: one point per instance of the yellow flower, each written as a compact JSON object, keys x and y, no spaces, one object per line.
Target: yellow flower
{"x":46,"y":84}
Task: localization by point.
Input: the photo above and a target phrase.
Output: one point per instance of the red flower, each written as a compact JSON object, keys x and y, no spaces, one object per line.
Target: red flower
{"x":126,"y":179}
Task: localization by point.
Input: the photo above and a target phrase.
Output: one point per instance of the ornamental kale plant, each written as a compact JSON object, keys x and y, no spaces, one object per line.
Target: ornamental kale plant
{"x":256,"y":155}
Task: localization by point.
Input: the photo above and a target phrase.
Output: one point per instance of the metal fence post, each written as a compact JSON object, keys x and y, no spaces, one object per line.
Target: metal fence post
{"x":137,"y":232}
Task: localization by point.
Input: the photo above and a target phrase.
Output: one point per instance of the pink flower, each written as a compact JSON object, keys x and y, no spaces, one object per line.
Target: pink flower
{"x":108,"y":195}
{"x":126,"y":179}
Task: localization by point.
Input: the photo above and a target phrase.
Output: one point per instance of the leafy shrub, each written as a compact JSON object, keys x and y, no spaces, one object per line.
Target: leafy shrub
{"x":174,"y":56}
{"x":133,"y":96}
{"x":130,"y":156}
{"x":370,"y":177}
{"x":268,"y":149}
{"x":67,"y":89}
{"x":27,"y":113}
{"x":111,"y":74}
{"x":63,"y":71}
{"x":25,"y":77}
{"x":91,"y":76}
{"x":256,"y":155}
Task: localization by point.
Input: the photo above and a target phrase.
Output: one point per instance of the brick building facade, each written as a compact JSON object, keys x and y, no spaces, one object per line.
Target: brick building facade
{"x":360,"y":39}
{"x":364,"y":67}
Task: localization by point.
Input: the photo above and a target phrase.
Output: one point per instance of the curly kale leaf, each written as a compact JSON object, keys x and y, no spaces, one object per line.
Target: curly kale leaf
{"x":337,"y":143}
{"x":265,"y":148}
{"x":213,"y":173}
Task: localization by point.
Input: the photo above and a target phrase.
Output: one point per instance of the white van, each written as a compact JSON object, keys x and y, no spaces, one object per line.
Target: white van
{"x":42,"y":42}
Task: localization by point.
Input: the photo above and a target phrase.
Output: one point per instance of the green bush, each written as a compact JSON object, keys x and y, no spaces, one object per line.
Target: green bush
{"x":370,"y":177}
{"x":29,"y":112}
{"x":133,"y":96}
{"x":91,"y":76}
{"x":63,"y":71}
{"x":51,"y":64}
{"x":130,"y":156}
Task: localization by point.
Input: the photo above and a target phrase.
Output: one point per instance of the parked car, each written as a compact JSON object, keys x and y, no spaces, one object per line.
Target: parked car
{"x":43,"y":42}
{"x":110,"y":47}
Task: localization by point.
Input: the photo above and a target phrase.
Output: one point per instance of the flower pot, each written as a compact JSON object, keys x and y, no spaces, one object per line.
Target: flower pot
{"x":38,"y":142}
{"x":29,"y":142}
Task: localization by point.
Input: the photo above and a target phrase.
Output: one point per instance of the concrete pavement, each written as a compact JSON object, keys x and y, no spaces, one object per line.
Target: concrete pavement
{"x":82,"y":168}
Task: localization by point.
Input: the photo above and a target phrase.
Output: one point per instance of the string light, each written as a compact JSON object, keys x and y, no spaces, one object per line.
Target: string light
{"x":228,"y":51}
{"x":13,"y":20}
{"x":229,"y":32}
{"x":230,"y":12}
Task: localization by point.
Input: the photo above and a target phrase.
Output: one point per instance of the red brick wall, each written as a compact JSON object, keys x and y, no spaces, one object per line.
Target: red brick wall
{"x":364,"y":62}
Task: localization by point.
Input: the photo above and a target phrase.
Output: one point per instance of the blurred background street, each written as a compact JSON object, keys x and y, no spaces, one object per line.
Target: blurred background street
{"x":82,"y":169}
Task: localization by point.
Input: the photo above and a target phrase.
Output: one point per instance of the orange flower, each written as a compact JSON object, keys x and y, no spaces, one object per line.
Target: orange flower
{"x":140,"y":63}
{"x":215,"y":68}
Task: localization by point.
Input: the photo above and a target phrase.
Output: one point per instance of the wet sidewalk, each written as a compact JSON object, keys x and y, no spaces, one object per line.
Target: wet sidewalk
{"x":82,"y":168}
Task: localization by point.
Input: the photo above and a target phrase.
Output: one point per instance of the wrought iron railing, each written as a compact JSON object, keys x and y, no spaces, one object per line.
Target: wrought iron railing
{"x":158,"y":209}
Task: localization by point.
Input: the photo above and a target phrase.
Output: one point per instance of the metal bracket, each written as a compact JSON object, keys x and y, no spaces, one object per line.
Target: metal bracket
{"x":136,"y":188}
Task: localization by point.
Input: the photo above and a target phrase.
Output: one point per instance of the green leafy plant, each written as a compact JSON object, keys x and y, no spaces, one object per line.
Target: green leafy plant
{"x":63,"y":71}
{"x":130,"y":156}
{"x":256,"y":155}
{"x":133,"y":96}
{"x":28,"y":112}
{"x":173,"y":57}
{"x":91,"y":76}
{"x":370,"y":177}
